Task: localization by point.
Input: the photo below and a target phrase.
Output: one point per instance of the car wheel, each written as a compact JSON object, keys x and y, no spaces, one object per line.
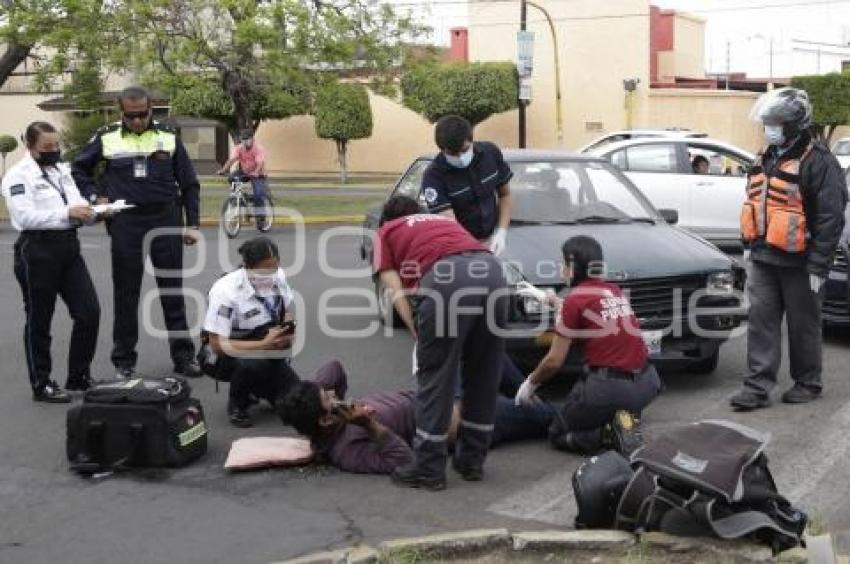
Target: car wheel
{"x":387,"y":314}
{"x":706,"y":365}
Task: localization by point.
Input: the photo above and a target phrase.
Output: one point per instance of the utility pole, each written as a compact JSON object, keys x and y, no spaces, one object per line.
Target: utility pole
{"x":523,"y":26}
{"x":771,"y":59}
{"x":728,"y":62}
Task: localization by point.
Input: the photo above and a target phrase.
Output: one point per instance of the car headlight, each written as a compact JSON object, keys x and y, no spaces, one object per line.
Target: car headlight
{"x":721,"y":283}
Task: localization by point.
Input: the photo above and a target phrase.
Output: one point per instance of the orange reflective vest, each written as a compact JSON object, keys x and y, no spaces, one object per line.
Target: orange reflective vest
{"x":774,"y":209}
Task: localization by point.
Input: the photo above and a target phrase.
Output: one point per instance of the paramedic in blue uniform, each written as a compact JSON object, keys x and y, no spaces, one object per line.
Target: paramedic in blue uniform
{"x":46,"y":208}
{"x":246,"y":326}
{"x":469,"y":181}
{"x":146,"y":165}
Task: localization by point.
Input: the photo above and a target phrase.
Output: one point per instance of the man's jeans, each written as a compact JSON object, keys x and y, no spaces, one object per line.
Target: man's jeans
{"x":517,"y":422}
{"x":259,"y":185}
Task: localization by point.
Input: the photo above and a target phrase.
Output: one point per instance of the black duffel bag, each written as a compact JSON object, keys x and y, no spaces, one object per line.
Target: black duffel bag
{"x":141,"y":422}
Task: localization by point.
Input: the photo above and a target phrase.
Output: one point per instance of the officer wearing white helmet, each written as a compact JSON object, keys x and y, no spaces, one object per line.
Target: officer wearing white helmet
{"x":791,"y":223}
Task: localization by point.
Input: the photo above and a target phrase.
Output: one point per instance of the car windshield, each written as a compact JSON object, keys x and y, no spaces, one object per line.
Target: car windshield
{"x":842,"y":148}
{"x":574,"y":192}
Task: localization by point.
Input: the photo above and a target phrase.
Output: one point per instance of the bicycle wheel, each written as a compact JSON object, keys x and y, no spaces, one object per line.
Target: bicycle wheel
{"x":265,"y":215}
{"x":231,"y":217}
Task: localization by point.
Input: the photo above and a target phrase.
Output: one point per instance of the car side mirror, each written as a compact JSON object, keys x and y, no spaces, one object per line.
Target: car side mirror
{"x":670,"y":216}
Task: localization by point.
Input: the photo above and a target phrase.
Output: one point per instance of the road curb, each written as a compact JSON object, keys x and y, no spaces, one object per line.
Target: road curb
{"x":554,"y":545}
{"x":310,"y":220}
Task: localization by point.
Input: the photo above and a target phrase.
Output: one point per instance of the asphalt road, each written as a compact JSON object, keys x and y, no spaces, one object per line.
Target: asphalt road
{"x":203,"y":514}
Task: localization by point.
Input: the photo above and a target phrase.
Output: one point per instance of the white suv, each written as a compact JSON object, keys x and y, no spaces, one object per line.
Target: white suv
{"x":841,"y":150}
{"x":627,"y":134}
{"x":704,"y":179}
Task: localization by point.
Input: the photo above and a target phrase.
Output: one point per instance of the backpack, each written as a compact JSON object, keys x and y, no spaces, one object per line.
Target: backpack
{"x":709,"y":478}
{"x":141,"y":422}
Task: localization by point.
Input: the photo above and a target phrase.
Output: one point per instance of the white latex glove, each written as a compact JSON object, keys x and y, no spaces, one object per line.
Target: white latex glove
{"x":746,"y":256}
{"x":815,"y":283}
{"x":498,"y":241}
{"x":525,"y":395}
{"x":528,"y":290}
{"x":415,"y":362}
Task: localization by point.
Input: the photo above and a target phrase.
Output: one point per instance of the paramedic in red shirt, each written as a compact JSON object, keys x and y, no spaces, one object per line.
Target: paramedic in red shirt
{"x":453,"y":280}
{"x":618,"y":380}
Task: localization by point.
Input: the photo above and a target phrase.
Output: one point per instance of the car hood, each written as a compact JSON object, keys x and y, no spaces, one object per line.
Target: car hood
{"x":632,"y":251}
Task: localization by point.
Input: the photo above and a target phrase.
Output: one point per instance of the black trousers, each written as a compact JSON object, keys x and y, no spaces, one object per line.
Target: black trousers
{"x":457,"y":341}
{"x":128,"y":230}
{"x":265,"y":378}
{"x":48,"y":265}
{"x":593,"y":401}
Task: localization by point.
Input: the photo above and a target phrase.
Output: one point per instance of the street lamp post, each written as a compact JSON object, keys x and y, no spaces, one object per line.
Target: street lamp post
{"x":559,"y":121}
{"x":523,"y":26}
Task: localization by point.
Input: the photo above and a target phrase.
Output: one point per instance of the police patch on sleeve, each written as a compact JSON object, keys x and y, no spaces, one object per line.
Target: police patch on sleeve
{"x":430,"y":195}
{"x":224,"y":311}
{"x":17,"y":190}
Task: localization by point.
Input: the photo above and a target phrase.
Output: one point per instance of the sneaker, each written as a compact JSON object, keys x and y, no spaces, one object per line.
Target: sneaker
{"x":800,"y":394}
{"x":51,"y":393}
{"x":469,"y":472}
{"x":79,"y":383}
{"x":188,"y":368}
{"x":747,"y":400}
{"x":624,"y":433}
{"x":240,"y":418}
{"x":409,"y":476}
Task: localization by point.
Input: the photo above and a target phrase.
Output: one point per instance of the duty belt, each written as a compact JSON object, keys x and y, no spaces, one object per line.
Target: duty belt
{"x":52,"y":234}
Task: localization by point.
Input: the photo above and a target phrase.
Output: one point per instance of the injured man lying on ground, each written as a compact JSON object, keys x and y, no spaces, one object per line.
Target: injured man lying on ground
{"x":374,"y":434}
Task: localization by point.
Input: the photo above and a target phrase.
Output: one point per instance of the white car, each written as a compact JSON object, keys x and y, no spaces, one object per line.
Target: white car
{"x":666,"y":171}
{"x":841,"y":150}
{"x":627,"y":134}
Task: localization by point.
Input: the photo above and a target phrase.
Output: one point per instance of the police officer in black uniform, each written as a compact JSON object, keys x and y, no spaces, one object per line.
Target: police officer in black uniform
{"x":46,"y":207}
{"x":470,"y":182}
{"x":146,"y":165}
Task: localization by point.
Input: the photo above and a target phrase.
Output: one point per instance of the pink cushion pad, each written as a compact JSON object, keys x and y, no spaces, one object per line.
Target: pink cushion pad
{"x":264,"y":452}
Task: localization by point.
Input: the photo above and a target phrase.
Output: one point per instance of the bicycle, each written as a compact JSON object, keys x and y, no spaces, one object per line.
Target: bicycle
{"x":239,"y":207}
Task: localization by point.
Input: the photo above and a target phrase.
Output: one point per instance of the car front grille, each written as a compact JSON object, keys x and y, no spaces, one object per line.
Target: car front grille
{"x":839,"y":262}
{"x":660,"y":300}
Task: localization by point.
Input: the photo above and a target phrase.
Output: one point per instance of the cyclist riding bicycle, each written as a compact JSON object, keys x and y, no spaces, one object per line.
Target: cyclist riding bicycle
{"x":252,"y":163}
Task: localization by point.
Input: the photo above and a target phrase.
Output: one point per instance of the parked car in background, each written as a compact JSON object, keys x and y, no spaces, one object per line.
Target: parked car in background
{"x":708,"y":197}
{"x":841,"y":150}
{"x":680,"y":285}
{"x":627,"y":134}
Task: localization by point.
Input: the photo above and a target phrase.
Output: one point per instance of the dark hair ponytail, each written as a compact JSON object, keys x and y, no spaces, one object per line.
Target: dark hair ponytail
{"x":256,"y":250}
{"x":34,"y":131}
{"x":585,"y":255}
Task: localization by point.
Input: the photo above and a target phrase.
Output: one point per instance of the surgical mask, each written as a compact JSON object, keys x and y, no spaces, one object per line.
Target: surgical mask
{"x":774,"y":135}
{"x":460,"y":161}
{"x":48,"y":158}
{"x":248,"y":143}
{"x":263,"y":284}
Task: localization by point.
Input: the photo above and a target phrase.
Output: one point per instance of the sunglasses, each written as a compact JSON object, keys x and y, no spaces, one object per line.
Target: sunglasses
{"x":130,"y":116}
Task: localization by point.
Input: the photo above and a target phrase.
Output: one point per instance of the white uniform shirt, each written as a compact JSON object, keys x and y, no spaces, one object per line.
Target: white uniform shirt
{"x":33,"y":202}
{"x":234,"y":304}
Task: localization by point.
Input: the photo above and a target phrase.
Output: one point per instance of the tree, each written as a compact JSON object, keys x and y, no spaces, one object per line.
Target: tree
{"x":830,"y":98}
{"x":243,"y":61}
{"x":7,"y":145}
{"x":52,"y":34}
{"x":343,"y":113}
{"x":475,"y":91}
{"x":85,"y":91}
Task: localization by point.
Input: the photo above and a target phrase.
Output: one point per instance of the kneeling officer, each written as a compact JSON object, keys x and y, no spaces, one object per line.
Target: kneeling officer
{"x":248,"y":328}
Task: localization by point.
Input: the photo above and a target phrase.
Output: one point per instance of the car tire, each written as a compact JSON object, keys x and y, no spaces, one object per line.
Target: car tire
{"x":706,"y":365}
{"x":387,"y":314}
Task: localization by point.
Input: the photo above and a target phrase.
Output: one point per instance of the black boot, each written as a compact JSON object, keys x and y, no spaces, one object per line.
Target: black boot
{"x":408,"y":476}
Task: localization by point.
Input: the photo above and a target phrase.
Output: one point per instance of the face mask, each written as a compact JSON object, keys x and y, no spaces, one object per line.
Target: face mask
{"x":248,"y":143}
{"x":460,"y":161}
{"x":48,"y":158}
{"x":774,"y":135}
{"x":262,"y":283}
